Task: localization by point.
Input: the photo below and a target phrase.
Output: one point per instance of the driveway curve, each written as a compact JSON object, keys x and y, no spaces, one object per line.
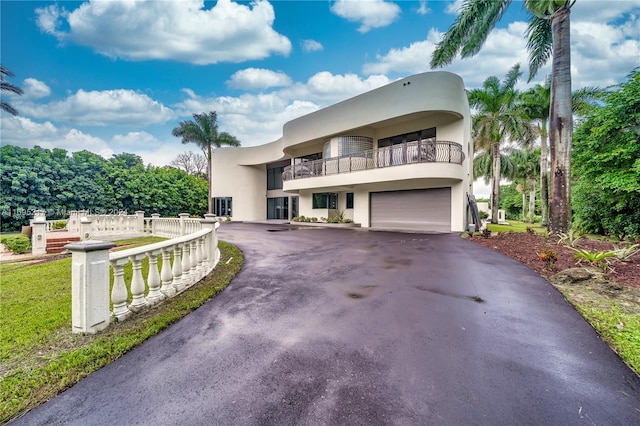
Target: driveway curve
{"x":354,"y":327}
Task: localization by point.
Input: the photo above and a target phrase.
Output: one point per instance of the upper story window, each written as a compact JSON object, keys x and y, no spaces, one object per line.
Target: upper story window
{"x":274,"y":178}
{"x":425,"y":134}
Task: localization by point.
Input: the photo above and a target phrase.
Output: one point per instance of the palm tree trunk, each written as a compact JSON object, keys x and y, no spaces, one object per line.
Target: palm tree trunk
{"x":560,"y":124}
{"x":544,"y":174}
{"x":495,"y":185}
{"x":209,"y":162}
{"x":524,"y":204}
{"x":532,"y":198}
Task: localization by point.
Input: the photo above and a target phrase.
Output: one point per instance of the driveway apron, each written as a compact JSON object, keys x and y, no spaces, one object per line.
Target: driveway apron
{"x":355,"y":327}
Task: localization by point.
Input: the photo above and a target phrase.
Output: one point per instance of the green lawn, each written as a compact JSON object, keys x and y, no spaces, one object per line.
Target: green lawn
{"x":516,"y":226}
{"x":40,"y":356}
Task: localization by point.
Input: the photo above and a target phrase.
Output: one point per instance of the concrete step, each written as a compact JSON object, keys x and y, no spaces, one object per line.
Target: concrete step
{"x":56,"y":245}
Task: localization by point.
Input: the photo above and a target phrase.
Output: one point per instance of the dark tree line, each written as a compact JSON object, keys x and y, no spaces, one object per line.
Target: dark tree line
{"x":53,"y":180}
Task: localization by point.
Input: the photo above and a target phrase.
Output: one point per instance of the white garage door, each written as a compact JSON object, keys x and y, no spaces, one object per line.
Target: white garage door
{"x":420,"y":209}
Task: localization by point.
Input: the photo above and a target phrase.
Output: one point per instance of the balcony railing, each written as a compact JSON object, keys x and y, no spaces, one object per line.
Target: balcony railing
{"x":396,"y":155}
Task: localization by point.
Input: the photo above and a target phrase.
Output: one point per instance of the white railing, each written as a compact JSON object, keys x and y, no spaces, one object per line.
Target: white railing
{"x":194,"y":256}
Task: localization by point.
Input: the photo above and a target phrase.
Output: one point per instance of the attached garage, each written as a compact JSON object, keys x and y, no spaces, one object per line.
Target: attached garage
{"x":418,"y":209}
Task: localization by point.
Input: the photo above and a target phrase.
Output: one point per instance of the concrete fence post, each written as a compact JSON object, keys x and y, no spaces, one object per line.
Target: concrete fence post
{"x":73,"y":224}
{"x":39,"y":233}
{"x":86,"y":229}
{"x":154,"y":222}
{"x":182,"y":217}
{"x":90,"y":286}
{"x":140,"y":221}
{"x":213,"y":254}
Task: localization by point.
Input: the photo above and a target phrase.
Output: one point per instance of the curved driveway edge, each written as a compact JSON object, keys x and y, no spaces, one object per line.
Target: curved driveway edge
{"x":353,"y":327}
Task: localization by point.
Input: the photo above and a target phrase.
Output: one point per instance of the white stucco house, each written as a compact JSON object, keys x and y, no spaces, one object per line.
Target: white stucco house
{"x":397,"y":157}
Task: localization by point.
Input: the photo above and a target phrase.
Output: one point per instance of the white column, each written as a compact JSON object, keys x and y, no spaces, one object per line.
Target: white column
{"x":73,"y":224}
{"x":212,"y":240}
{"x":90,"y":286}
{"x":153,"y":278}
{"x":182,"y":217}
{"x":154,"y":223}
{"x":137,"y":283}
{"x":119,"y":290}
{"x":86,"y":229}
{"x":39,"y":235}
{"x":176,"y":269}
{"x":186,"y":266}
{"x":140,"y":221}
{"x":166,"y":276}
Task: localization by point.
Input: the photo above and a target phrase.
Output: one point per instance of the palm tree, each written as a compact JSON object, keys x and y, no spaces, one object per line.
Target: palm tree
{"x":548,"y":36}
{"x":537,"y":102}
{"x":498,"y":118}
{"x":526,"y":163}
{"x":6,"y":86}
{"x":203,"y":131}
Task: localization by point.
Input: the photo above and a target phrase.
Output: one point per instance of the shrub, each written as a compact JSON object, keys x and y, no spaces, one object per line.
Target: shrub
{"x":486,"y":232}
{"x":483,"y":215}
{"x":18,"y":244}
{"x":549,"y":257}
{"x":596,"y":258}
{"x":61,"y":224}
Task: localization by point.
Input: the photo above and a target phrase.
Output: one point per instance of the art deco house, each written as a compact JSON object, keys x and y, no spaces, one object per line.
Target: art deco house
{"x":397,"y":157}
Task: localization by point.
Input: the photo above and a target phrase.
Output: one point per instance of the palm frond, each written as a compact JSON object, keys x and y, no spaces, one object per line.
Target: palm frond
{"x":469,"y":31}
{"x":539,"y":43}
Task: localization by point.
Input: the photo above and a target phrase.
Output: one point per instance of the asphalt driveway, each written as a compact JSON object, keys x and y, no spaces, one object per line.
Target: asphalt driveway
{"x":352,"y":327}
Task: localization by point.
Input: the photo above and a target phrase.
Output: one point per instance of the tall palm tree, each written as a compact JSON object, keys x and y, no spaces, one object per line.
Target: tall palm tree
{"x":498,"y":119}
{"x":537,"y":102}
{"x":203,"y":131}
{"x":526,"y":163}
{"x":8,"y":87}
{"x":548,"y":36}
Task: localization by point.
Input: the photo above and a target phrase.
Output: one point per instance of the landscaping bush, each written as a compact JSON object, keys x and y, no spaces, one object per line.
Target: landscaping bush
{"x":61,"y":224}
{"x":18,"y":244}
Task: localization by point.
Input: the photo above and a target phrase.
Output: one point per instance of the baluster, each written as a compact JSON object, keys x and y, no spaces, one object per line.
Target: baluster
{"x":153,"y":279}
{"x":187,"y":276}
{"x":200,"y":257}
{"x":194,"y":261}
{"x":165,"y":274}
{"x":137,"y":283}
{"x":119,"y":290}
{"x":178,"y":282}
{"x":206,"y":256}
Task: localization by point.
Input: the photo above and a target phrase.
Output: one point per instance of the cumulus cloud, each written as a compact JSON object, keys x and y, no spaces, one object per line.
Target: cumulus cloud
{"x":258,"y":79}
{"x":169,"y":30}
{"x":26,"y":133}
{"x":35,"y":89}
{"x":102,"y":108}
{"x":369,"y":13}
{"x":311,"y":46}
{"x":258,"y":118}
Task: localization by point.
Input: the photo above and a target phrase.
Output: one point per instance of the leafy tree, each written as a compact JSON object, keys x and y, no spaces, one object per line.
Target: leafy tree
{"x":548,"y":36}
{"x":607,"y":164}
{"x":527,"y":164}
{"x":498,"y":119}
{"x":203,"y":131}
{"x":8,"y":87}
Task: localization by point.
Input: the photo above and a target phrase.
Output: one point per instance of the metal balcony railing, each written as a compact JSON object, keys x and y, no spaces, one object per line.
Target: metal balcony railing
{"x":396,"y":155}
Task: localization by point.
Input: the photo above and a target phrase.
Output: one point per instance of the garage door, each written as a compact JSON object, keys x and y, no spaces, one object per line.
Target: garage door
{"x":420,"y":209}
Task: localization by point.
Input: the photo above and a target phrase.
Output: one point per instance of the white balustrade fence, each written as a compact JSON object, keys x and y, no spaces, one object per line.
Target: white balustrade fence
{"x":194,"y":256}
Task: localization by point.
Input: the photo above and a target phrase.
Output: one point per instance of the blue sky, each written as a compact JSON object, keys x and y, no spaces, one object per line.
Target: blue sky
{"x":114,"y":76}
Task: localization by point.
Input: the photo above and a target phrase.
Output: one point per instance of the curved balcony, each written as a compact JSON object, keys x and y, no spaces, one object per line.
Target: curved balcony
{"x":389,"y":156}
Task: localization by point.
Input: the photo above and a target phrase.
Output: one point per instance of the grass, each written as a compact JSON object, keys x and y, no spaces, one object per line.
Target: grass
{"x":616,"y":320}
{"x":516,"y":226}
{"x":40,"y":356}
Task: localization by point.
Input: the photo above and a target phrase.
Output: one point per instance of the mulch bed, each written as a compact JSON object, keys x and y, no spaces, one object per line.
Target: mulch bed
{"x":525,"y":248}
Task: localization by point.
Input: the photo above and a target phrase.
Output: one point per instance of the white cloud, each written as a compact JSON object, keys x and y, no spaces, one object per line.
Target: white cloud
{"x":454,"y":7}
{"x":256,"y":119}
{"x":423,"y":9}
{"x":26,"y":133}
{"x":35,"y":89}
{"x":369,"y":13}
{"x":169,"y":30}
{"x":257,"y":78}
{"x":311,"y":46}
{"x":102,"y":108}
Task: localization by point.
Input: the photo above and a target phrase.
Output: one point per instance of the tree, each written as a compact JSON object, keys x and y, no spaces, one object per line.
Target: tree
{"x":607,"y":164}
{"x":537,"y":102}
{"x":203,"y":131}
{"x":8,"y":87}
{"x":548,"y":36}
{"x":526,"y":164}
{"x":192,"y":163}
{"x":498,"y":118}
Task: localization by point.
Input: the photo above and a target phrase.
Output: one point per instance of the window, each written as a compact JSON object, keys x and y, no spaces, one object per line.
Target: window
{"x":426,"y":134}
{"x":349,"y":200}
{"x":278,"y":208}
{"x":325,"y":200}
{"x":274,"y":178}
{"x":222,"y":206}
